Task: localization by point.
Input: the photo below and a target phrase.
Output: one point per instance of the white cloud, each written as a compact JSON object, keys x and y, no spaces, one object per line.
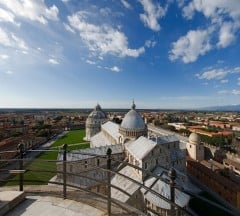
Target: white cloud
{"x":24,"y":52}
{"x":105,"y":11}
{"x":218,"y":74}
{"x":150,"y":43}
{"x":238,"y":81}
{"x":53,"y":61}
{"x":218,"y":11}
{"x":12,"y":40}
{"x":213,"y":9}
{"x":115,"y":69}
{"x":223,"y":92}
{"x":32,"y":10}
{"x":68,"y":28}
{"x":189,"y":47}
{"x":236,"y":92}
{"x":90,"y":62}
{"x":126,"y":4}
{"x":102,"y":39}
{"x":4,"y":56}
{"x":236,"y":70}
{"x":52,"y":13}
{"x":224,"y":81}
{"x":7,"y":16}
{"x":19,"y":42}
{"x":9,"y":72}
{"x":152,"y":13}
{"x":226,"y":35}
{"x":213,"y":74}
{"x":4,"y":38}
{"x":220,"y":61}
{"x":180,"y":3}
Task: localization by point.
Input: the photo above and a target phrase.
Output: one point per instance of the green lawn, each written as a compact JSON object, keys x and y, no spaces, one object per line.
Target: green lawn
{"x":41,"y":163}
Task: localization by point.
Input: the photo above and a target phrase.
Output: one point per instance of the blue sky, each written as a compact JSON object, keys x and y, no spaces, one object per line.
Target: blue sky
{"x":76,"y":53}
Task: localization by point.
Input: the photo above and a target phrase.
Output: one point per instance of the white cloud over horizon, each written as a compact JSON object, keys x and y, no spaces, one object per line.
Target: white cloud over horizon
{"x":235,"y":92}
{"x":218,"y":74}
{"x":238,"y":81}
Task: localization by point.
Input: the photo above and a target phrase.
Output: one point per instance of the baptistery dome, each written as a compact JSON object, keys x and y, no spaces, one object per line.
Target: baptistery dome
{"x":97,"y":113}
{"x":94,"y":121}
{"x":194,"y":139}
{"x":133,"y":124}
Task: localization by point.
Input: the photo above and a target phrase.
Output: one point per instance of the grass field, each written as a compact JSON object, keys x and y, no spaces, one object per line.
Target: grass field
{"x":42,"y":163}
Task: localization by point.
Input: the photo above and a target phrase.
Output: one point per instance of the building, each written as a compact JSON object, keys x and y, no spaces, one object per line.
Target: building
{"x":208,"y":173}
{"x":232,"y":165}
{"x":111,"y":133}
{"x":130,"y":142}
{"x":222,"y":186}
{"x":94,"y":122}
{"x":195,"y":148}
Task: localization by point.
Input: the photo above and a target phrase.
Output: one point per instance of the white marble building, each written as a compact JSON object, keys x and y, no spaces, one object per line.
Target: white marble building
{"x":111,"y":133}
{"x":195,"y":148}
{"x":130,"y":142}
{"x":94,"y":121}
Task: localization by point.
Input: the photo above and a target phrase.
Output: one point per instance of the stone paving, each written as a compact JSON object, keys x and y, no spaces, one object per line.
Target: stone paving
{"x":46,"y":205}
{"x":10,"y":199}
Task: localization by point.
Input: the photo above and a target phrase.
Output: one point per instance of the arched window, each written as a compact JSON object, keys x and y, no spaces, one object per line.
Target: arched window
{"x":145,"y":165}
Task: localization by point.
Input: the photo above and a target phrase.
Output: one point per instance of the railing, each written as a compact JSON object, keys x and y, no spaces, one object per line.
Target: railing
{"x":19,"y":167}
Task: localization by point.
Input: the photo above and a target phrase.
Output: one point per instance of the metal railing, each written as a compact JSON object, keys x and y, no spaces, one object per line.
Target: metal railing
{"x":21,"y":169}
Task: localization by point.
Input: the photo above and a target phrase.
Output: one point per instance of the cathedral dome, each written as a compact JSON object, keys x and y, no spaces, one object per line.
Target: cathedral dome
{"x":194,"y":139}
{"x":133,"y":124}
{"x":133,"y":120}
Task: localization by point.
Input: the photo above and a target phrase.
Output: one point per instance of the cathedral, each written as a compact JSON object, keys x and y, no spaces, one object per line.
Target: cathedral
{"x":130,"y":141}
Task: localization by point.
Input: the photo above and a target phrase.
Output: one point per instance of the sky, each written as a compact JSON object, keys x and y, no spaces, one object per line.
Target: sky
{"x":172,"y":54}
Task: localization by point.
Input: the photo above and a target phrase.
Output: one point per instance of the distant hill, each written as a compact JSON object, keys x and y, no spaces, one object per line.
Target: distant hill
{"x":223,"y":108}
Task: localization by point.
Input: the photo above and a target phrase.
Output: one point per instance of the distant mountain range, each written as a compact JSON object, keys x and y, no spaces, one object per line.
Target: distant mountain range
{"x":223,"y":108}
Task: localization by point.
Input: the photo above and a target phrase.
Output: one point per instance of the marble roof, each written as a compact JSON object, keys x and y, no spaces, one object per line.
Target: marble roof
{"x":99,"y":140}
{"x":91,"y":152}
{"x":140,"y":147}
{"x":112,"y":128}
{"x":125,"y":184}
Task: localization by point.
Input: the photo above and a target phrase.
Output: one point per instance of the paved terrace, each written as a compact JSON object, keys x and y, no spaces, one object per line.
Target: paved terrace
{"x":45,"y":200}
